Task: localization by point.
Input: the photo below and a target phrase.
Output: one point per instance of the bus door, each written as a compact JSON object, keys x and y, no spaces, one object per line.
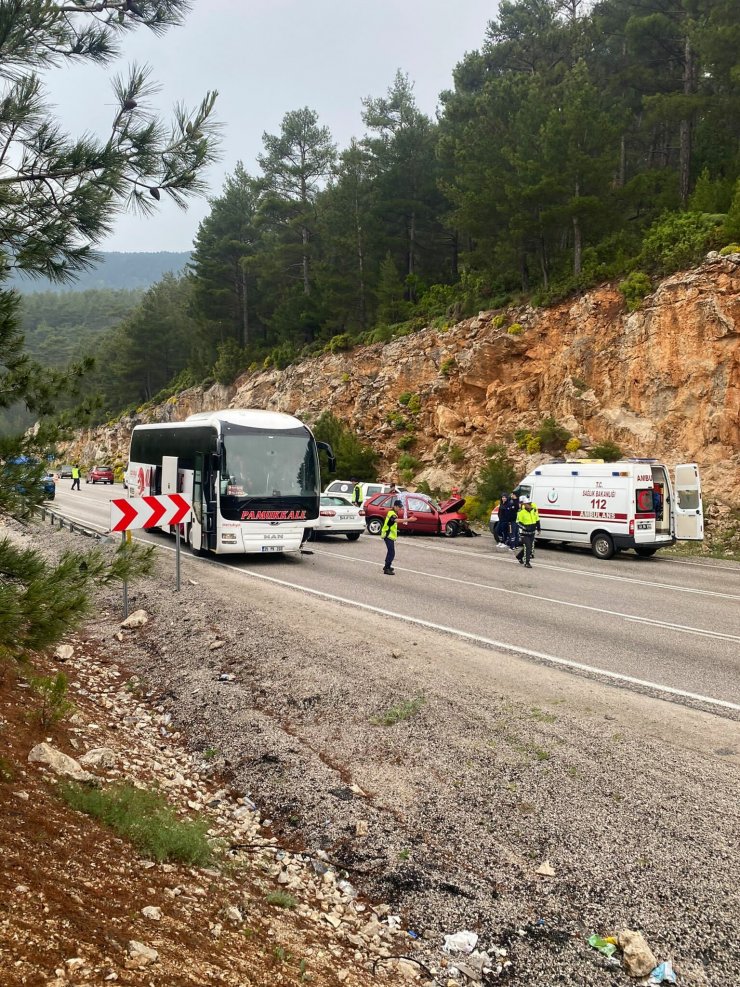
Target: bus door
{"x":204,"y":502}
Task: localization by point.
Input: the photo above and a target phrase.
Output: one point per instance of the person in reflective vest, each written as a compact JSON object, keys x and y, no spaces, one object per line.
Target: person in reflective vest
{"x":528,"y":520}
{"x":75,"y":477}
{"x":357,"y":494}
{"x":389,"y":533}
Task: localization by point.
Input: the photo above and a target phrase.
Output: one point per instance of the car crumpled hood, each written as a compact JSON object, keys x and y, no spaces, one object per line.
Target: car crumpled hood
{"x":451,"y":506}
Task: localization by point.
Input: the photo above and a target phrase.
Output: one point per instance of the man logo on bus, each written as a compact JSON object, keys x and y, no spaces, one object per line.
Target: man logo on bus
{"x":552,"y":496}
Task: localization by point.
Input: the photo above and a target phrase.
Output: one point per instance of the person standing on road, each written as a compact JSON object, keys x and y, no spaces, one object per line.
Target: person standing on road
{"x":506,"y":517}
{"x":528,"y":521}
{"x":514,"y":541}
{"x":357,"y":493}
{"x":76,"y":477}
{"x":389,"y":534}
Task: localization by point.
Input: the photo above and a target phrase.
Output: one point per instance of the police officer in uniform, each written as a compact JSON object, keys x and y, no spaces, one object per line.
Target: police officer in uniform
{"x":389,"y":533}
{"x":528,"y":520}
{"x":357,"y":493}
{"x":76,"y":477}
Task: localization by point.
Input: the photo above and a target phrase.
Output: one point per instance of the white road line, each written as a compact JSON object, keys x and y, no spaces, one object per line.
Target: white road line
{"x":490,"y":642}
{"x":547,"y":599}
{"x":586,"y":572}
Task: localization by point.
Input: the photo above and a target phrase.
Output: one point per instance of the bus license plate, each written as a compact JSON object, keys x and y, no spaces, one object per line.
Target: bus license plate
{"x":272,"y":548}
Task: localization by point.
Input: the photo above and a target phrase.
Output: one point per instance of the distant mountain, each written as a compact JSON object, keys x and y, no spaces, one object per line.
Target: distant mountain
{"x":116,"y":270}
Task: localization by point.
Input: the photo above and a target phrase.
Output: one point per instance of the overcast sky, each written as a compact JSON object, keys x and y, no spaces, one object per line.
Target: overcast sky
{"x":266,"y":57}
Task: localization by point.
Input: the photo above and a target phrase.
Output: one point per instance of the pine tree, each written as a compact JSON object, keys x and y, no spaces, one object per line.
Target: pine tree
{"x":58,"y":197}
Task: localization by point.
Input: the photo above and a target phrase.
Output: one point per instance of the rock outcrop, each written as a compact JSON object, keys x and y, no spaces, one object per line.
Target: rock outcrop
{"x":662,"y":382}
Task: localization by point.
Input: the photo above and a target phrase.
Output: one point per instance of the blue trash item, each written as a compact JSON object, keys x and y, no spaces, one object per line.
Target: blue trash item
{"x":663,"y":973}
{"x":412,"y":934}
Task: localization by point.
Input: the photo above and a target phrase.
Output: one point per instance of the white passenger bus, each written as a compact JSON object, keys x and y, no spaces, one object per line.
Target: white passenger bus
{"x":253,"y":477}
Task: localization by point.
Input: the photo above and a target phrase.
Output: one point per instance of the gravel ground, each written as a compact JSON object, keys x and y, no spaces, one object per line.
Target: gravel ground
{"x":492,"y":767}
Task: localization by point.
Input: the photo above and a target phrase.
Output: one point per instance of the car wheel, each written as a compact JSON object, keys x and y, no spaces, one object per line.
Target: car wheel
{"x":602,"y":545}
{"x":374,"y":525}
{"x":452,"y":529}
{"x":645,"y":552}
{"x":353,"y":535}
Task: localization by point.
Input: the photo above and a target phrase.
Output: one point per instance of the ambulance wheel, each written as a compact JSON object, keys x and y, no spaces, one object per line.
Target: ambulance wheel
{"x":645,"y":552}
{"x":374,"y":525}
{"x":602,"y":545}
{"x":451,"y":529}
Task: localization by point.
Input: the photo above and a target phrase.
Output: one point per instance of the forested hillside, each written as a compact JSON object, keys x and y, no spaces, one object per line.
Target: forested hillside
{"x":578,"y":145}
{"x":115,"y":270}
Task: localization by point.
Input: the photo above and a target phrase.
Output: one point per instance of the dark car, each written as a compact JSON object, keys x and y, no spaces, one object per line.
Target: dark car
{"x":65,"y":472}
{"x":50,"y":487}
{"x":100,"y":474}
{"x":429,"y":517}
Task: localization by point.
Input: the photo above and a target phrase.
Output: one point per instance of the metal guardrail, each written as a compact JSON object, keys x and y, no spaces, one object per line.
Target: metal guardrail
{"x":55,"y":517}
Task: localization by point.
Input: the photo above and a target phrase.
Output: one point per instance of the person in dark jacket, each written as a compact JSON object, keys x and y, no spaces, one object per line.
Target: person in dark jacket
{"x":514,"y":540}
{"x":506,"y":517}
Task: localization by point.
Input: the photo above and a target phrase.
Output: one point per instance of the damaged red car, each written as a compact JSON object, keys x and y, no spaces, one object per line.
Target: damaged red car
{"x":424,"y":515}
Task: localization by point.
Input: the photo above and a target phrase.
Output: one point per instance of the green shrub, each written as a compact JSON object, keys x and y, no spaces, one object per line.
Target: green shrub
{"x":634,"y":288}
{"x":572,"y":445}
{"x":522,"y":437}
{"x":406,"y":441}
{"x":515,"y":329}
{"x":475,"y":510}
{"x":397,"y":420}
{"x":496,"y":476}
{"x":534,"y":444}
{"x":397,"y":714}
{"x":146,"y":819}
{"x":678,"y":240}
{"x":229,"y":361}
{"x":346,"y":378}
{"x":456,"y":455}
{"x":281,"y":899}
{"x":731,"y":248}
{"x":447,"y":366}
{"x":7,"y":770}
{"x":354,"y":458}
{"x":283,"y":355}
{"x":414,"y":404}
{"x":579,"y":384}
{"x":405,"y":397}
{"x":498,"y":321}
{"x":408,"y":466}
{"x":552,"y":435}
{"x":52,"y":691}
{"x":338,"y":343}
{"x":252,"y":367}
{"x":608,"y":451}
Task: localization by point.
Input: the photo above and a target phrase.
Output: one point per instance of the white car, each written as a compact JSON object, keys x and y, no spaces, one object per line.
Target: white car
{"x":345,"y":488}
{"x":339,"y":516}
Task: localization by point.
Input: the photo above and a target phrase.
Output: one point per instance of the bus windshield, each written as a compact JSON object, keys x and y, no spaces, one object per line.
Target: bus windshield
{"x":263,"y":465}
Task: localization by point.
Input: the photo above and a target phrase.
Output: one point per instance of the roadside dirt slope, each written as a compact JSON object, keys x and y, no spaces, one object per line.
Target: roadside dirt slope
{"x":437,"y":778}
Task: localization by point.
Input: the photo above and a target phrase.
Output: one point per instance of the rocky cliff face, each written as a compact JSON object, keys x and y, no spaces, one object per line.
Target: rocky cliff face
{"x":662,"y":382}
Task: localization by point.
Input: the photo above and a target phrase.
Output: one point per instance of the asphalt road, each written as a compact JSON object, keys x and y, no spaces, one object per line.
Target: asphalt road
{"x":661,"y":625}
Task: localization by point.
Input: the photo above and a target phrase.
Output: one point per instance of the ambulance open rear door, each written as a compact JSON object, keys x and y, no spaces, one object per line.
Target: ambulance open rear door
{"x":688,"y":511}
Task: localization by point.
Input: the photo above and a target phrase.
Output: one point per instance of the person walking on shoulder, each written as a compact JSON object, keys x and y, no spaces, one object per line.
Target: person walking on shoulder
{"x":528,"y":521}
{"x":389,"y":533}
{"x":75,"y":477}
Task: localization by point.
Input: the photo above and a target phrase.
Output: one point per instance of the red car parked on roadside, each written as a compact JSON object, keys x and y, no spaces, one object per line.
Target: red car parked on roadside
{"x":430,"y":518}
{"x":100,"y":474}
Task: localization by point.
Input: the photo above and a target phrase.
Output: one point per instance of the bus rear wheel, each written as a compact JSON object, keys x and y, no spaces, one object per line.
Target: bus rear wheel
{"x":602,"y":545}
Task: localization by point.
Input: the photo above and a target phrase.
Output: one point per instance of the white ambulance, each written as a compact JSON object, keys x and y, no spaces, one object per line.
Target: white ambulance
{"x":613,"y":506}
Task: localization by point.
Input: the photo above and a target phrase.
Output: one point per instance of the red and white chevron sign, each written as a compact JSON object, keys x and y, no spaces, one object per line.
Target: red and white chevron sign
{"x":147,"y":512}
